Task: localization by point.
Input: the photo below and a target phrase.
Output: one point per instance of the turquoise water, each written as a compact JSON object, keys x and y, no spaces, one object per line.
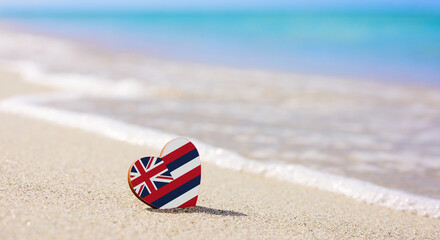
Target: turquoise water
{"x":382,"y":133}
{"x":385,"y":45}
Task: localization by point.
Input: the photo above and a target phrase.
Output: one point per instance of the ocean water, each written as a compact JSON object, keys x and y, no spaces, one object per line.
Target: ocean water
{"x":390,"y":44}
{"x":374,"y":140}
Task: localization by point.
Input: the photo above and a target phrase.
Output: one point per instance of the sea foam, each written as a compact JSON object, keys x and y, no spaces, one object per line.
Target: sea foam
{"x":33,"y":106}
{"x":76,"y":86}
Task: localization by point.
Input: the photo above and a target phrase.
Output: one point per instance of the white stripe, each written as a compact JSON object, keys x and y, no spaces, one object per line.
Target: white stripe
{"x":186,"y":168}
{"x":174,"y":145}
{"x":182,"y":198}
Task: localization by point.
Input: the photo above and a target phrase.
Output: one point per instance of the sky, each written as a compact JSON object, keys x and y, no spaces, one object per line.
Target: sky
{"x":213,"y":4}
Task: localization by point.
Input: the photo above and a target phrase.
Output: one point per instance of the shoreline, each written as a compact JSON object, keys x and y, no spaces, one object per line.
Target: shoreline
{"x":365,"y":192}
{"x":60,"y":196}
{"x":99,"y":49}
{"x":374,"y":196}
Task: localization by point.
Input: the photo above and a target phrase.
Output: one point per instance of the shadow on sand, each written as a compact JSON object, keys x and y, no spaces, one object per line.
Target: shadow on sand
{"x":198,"y":209}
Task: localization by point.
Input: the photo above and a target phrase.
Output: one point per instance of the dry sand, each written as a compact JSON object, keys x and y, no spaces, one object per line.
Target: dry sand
{"x":58,"y":182}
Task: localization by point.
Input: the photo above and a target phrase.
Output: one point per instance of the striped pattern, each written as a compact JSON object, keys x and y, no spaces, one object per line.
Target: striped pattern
{"x":183,"y":164}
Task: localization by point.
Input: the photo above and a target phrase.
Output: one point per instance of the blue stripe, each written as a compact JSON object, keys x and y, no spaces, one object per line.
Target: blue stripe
{"x":182,"y":160}
{"x":166,"y":174}
{"x":177,"y":192}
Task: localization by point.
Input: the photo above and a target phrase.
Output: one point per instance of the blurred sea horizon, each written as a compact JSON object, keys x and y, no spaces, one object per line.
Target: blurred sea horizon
{"x":363,"y":105}
{"x":399,"y":45}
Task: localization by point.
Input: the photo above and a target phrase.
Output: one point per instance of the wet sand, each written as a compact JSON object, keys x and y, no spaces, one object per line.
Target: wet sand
{"x":59,"y":182}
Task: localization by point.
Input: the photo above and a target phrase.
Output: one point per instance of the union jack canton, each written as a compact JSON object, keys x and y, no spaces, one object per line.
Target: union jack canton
{"x":149,"y":174}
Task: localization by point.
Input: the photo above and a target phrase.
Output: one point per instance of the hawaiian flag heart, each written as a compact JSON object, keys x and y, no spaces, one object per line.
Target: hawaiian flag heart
{"x":169,"y":181}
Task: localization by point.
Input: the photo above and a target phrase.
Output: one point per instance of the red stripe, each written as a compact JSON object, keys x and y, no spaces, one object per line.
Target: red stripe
{"x":173,"y":185}
{"x":140,"y":189}
{"x":166,"y":178}
{"x":170,"y":157}
{"x":190,"y":203}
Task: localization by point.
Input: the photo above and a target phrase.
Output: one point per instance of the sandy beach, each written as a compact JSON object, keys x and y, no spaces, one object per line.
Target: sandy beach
{"x":59,"y":182}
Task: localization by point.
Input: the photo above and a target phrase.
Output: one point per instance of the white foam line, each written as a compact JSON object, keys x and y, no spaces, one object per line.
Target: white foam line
{"x":359,"y":190}
{"x":74,"y":82}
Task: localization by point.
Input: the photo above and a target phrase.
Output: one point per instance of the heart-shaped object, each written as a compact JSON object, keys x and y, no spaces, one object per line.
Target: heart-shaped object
{"x":169,"y":181}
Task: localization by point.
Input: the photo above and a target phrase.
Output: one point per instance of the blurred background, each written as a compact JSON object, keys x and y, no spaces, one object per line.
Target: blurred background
{"x":344,"y":87}
{"x":380,"y":39}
